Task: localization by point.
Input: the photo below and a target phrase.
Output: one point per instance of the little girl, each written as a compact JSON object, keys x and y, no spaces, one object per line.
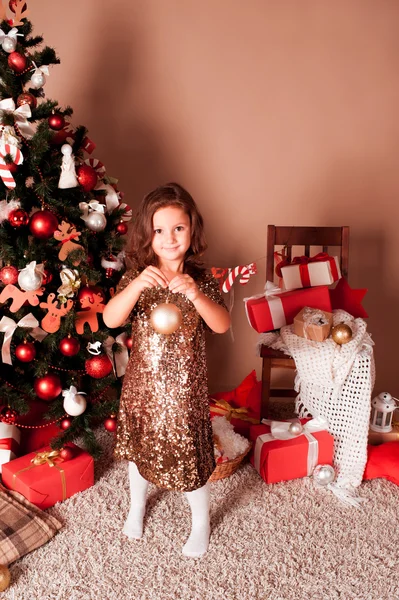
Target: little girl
{"x":164,"y":428}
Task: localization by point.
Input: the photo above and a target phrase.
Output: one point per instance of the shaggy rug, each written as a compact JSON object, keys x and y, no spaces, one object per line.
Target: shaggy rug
{"x":287,"y":541}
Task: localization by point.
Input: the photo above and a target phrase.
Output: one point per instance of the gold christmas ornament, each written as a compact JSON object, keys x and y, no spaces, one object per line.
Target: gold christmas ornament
{"x":5,"y":578}
{"x":341,"y":333}
{"x":166,"y":318}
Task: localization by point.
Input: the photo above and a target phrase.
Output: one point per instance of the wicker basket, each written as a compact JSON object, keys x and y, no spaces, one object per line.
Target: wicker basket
{"x":225,"y":469}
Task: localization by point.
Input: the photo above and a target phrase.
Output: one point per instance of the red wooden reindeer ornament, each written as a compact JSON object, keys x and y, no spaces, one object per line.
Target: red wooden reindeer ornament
{"x":52,"y":321}
{"x":89,"y":316}
{"x":19,"y":297}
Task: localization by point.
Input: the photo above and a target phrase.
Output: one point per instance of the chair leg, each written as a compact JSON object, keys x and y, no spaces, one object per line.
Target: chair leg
{"x":266,"y":382}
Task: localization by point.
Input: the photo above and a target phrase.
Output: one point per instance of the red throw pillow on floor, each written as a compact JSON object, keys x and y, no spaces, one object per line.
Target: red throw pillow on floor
{"x":247,"y":394}
{"x":383,"y":461}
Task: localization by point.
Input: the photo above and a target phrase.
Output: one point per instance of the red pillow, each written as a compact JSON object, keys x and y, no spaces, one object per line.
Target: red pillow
{"x":247,"y":394}
{"x":383,"y":461}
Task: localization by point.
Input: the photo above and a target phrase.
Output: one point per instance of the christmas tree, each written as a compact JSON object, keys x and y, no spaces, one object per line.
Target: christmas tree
{"x":62,"y":224}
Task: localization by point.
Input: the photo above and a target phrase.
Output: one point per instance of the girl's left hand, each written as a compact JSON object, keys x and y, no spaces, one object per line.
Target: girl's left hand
{"x":185,"y":285}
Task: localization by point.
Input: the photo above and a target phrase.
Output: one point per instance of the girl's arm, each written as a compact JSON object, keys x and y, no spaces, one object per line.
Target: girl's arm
{"x":215,"y":316}
{"x":120,"y":306}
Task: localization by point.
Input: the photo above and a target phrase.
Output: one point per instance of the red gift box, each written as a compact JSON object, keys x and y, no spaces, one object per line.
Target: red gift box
{"x":44,"y":479}
{"x":274,"y":310}
{"x":38,"y":432}
{"x":9,"y":443}
{"x":35,"y":439}
{"x":283,"y":460}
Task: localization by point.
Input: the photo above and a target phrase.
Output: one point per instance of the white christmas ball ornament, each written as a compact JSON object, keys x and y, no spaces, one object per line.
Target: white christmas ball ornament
{"x":38,"y":80}
{"x":295,"y":428}
{"x":9,"y":44}
{"x":324,"y":474}
{"x":75,"y":405}
{"x":96,"y":221}
{"x":166,"y":318}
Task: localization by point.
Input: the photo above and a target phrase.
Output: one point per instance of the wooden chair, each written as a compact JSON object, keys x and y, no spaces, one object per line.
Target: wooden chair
{"x":287,"y":237}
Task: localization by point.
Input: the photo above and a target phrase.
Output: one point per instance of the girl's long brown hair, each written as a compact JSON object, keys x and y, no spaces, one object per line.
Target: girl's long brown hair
{"x":170,"y":194}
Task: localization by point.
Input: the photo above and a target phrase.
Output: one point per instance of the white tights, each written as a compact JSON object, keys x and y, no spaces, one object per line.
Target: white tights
{"x":197,"y":543}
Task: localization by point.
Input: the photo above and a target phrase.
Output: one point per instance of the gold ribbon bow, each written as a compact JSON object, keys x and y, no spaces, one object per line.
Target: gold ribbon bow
{"x":49,"y":457}
{"x":222,"y":407}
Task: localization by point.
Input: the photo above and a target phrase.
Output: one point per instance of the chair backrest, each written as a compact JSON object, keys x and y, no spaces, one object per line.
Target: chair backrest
{"x":321,"y":237}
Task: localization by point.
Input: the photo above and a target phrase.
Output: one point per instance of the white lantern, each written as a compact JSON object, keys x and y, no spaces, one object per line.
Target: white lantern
{"x":382,"y":408}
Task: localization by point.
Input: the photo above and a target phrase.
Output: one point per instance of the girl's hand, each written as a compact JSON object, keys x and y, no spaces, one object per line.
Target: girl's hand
{"x":151,"y":277}
{"x":185,"y":285}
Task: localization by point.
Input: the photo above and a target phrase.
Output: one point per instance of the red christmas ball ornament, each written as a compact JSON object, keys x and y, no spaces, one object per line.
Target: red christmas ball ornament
{"x":69,"y":346}
{"x":129,"y":343}
{"x":18,"y":217}
{"x":25,"y":352}
{"x":17,"y":62}
{"x":87,"y":177}
{"x":27,"y":98}
{"x":42,"y":224}
{"x":65,"y":424}
{"x":48,"y":276}
{"x":48,"y":387}
{"x":12,"y":4}
{"x":98,"y":366}
{"x":86,"y":293}
{"x":9,"y":275}
{"x":66,"y":453}
{"x":56,"y":121}
{"x":110,"y":424}
{"x":122,"y":228}
{"x":9,"y":414}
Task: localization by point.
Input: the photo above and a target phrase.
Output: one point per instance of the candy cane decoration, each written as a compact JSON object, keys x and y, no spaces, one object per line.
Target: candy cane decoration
{"x":5,"y":172}
{"x":98,"y":166}
{"x":245,"y":272}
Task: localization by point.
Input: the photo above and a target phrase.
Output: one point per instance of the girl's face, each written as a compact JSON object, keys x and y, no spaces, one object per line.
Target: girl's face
{"x":171,"y":236}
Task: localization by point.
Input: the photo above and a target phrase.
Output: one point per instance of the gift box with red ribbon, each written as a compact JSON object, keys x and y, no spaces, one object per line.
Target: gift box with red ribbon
{"x":285,"y":450}
{"x":9,"y":443}
{"x":304,"y":271}
{"x":44,"y":478}
{"x":276,"y":308}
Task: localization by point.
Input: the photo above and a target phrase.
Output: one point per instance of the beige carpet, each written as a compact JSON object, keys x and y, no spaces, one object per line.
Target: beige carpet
{"x":280,"y":542}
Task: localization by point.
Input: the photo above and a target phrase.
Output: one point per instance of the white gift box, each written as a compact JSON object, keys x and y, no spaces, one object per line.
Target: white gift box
{"x":311,"y":274}
{"x":10,"y":437}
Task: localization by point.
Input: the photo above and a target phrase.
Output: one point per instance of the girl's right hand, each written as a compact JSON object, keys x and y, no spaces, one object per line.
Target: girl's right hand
{"x":151,"y":277}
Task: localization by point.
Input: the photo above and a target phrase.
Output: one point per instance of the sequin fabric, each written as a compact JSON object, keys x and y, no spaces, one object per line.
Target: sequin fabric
{"x":163,"y":423}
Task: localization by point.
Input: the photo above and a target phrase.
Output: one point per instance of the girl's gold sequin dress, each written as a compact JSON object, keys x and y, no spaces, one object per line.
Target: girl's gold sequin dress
{"x":163,"y":423}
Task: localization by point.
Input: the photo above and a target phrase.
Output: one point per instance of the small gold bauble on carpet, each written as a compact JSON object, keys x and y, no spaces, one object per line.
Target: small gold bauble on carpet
{"x":166,"y":318}
{"x":5,"y":578}
{"x":341,"y":333}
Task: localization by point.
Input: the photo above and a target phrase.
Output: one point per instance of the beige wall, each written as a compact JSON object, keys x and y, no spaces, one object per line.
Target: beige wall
{"x":268,"y":112}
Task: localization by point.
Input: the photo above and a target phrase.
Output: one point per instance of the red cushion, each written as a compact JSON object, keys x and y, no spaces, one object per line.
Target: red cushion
{"x":247,"y":394}
{"x":383,"y":461}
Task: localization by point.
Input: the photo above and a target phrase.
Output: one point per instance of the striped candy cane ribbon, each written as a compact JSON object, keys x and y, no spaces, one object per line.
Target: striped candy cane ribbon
{"x":95,"y":164}
{"x":17,"y":157}
{"x":245,"y":271}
